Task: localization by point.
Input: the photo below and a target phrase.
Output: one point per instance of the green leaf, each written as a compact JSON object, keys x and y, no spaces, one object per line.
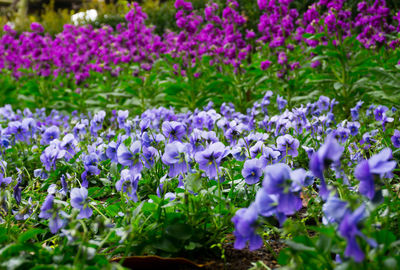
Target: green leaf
{"x":299,"y":246}
{"x":179,"y":231}
{"x":3,"y":235}
{"x":29,"y":235}
{"x":193,"y":182}
{"x":165,"y":245}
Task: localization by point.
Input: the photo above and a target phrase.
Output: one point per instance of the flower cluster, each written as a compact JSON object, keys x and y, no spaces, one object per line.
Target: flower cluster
{"x":220,"y":33}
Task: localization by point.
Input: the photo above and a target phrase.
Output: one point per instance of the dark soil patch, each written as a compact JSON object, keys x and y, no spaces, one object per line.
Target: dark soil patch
{"x":234,"y":259}
{"x":242,"y":259}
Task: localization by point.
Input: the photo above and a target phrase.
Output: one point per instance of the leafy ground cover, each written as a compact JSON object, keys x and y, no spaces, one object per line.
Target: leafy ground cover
{"x":110,"y":185}
{"x":121,"y":142}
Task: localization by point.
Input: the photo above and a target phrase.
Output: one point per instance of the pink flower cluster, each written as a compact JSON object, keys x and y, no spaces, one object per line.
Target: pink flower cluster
{"x":219,"y":33}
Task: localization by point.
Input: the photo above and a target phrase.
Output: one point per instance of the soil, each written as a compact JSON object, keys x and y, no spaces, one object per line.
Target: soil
{"x":234,"y":259}
{"x":242,"y":259}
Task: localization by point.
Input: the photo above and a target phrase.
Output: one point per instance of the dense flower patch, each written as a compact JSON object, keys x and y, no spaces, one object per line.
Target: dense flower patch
{"x":220,"y":33}
{"x":108,"y":184}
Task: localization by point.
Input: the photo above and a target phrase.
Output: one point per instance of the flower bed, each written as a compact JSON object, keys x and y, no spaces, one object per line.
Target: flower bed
{"x":81,"y":189}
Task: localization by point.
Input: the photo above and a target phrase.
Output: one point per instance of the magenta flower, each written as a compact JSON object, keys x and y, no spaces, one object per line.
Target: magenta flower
{"x":265,"y":64}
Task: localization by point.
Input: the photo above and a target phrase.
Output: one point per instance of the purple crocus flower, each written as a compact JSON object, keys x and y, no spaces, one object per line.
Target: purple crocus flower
{"x":174,"y":131}
{"x":245,"y":224}
{"x":369,"y":170}
{"x":252,"y":171}
{"x":330,"y":152}
{"x":79,"y":201}
{"x":396,"y":138}
{"x":210,"y":159}
{"x":348,"y":229}
{"x":288,"y":145}
{"x":176,"y":156}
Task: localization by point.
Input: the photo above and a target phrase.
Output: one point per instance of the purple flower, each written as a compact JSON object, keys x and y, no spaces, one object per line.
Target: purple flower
{"x":210,"y":159}
{"x":379,"y":112}
{"x":174,"y":131}
{"x":342,"y":134}
{"x":52,"y":213}
{"x":25,"y":212}
{"x":280,"y":180}
{"x":69,"y":144}
{"x":348,"y":229}
{"x":369,"y":170}
{"x":396,"y":138}
{"x":282,"y":58}
{"x":111,"y":151}
{"x":131,"y":157}
{"x":288,"y":145}
{"x":265,"y":64}
{"x":128,"y":183}
{"x":90,"y":163}
{"x":315,"y":64}
{"x":269,"y":156}
{"x":176,"y":156}
{"x":252,"y":171}
{"x":37,"y":27}
{"x":79,"y":201}
{"x":149,"y":156}
{"x":245,"y":225}
{"x":122,"y":116}
{"x":4,"y":181}
{"x":281,"y":102}
{"x":323,"y":103}
{"x":334,"y":209}
{"x":353,"y":127}
{"x":50,"y":134}
{"x":51,"y":154}
{"x":330,"y":152}
{"x":17,"y":129}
